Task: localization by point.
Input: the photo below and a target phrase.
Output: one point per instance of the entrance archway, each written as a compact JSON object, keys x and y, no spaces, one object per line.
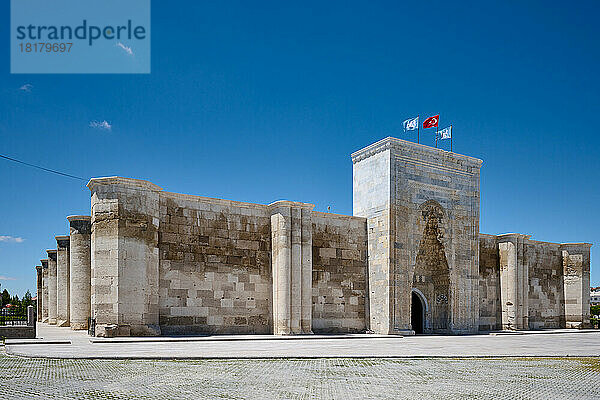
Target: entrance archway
{"x":416,"y":313}
{"x":432,"y":275}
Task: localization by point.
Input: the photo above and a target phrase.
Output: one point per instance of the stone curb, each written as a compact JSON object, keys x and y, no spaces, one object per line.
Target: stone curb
{"x":296,"y":357}
{"x":234,"y":338}
{"x":10,"y":342}
{"x":550,"y":332}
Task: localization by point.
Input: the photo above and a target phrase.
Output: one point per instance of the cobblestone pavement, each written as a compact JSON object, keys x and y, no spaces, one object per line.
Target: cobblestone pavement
{"x":421,"y":378}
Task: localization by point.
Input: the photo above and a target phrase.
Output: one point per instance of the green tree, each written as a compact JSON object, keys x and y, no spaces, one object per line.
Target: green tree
{"x":15,"y":305}
{"x":25,"y":302}
{"x":5,"y":297}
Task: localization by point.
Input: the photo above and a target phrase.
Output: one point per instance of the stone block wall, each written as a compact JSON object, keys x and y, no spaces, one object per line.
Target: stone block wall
{"x":422,"y":207}
{"x":215,"y":271}
{"x":17,"y":332}
{"x":221,"y":266}
{"x":124,"y":254}
{"x":529,"y":284}
{"x":169,"y":263}
{"x":576,"y":280}
{"x":339,"y":273}
{"x":436,"y":215}
{"x":546,"y":291}
{"x":371,"y":197}
{"x":490,"y":307}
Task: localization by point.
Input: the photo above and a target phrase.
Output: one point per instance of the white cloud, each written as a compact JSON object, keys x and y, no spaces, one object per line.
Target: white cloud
{"x":103,"y":125}
{"x":26,"y":87}
{"x":11,"y":239}
{"x":7,"y":278}
{"x":125,"y":48}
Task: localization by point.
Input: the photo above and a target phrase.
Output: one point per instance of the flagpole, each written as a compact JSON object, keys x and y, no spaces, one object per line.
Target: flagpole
{"x":418,"y":128}
{"x":451,"y":138}
{"x":436,"y":132}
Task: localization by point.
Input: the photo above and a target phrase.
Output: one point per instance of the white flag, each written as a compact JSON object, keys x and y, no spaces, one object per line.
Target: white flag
{"x":446,"y":133}
{"x":411,"y":124}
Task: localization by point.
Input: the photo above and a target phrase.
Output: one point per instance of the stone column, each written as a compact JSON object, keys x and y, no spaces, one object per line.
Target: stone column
{"x":80,"y":270}
{"x":576,"y":281}
{"x":508,"y":288}
{"x":38,"y":302}
{"x":124,"y":256}
{"x":306,"y":274}
{"x":291,"y":236}
{"x":62,"y":281}
{"x":514,"y":281}
{"x":44,"y":290}
{"x":51,"y":287}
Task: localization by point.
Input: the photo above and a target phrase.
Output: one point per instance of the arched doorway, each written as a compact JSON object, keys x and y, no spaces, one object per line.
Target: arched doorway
{"x":432,"y":274}
{"x":416,"y":313}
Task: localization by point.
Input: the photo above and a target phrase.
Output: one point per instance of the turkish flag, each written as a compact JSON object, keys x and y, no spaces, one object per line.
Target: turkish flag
{"x":431,"y":122}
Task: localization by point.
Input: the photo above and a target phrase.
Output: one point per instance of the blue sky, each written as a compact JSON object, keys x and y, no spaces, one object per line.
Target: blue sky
{"x":264,"y":101}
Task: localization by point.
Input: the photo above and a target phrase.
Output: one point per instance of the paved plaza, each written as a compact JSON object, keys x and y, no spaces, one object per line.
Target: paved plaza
{"x":425,"y":378}
{"x":63,"y":364}
{"x":64,"y":343}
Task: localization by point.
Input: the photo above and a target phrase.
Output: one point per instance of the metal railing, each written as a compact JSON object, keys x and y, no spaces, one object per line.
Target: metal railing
{"x":8,"y":318}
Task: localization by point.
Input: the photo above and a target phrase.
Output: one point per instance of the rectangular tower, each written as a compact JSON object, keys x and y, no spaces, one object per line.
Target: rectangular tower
{"x":422,"y":210}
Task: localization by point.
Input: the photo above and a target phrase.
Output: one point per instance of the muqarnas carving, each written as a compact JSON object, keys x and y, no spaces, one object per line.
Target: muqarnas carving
{"x":431,"y":275}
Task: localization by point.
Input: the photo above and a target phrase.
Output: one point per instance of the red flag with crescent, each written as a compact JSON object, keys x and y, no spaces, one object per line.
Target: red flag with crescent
{"x":431,"y":122}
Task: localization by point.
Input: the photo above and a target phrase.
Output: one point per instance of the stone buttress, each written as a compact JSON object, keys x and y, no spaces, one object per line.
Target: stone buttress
{"x":52,"y":287}
{"x":62,"y":281}
{"x":44,"y":295}
{"x":80,"y":270}
{"x":39,"y":295}
{"x":291,"y":232}
{"x":124,"y":256}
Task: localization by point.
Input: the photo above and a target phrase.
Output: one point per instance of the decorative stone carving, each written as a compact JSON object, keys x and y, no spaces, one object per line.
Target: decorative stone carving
{"x":432,"y":266}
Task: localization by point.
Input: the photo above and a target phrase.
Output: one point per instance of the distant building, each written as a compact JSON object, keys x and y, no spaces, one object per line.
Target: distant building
{"x":595,"y":297}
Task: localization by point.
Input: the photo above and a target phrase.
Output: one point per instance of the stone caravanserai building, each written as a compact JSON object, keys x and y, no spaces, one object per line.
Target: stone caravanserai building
{"x":410,"y":259}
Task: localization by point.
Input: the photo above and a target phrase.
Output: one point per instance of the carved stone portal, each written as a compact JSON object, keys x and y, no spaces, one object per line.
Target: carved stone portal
{"x":431,"y":274}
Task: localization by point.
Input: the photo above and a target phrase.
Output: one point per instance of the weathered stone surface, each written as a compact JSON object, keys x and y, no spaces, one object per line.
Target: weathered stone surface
{"x":215,"y":267}
{"x":38,"y":311}
{"x":490,"y":306}
{"x":52,"y":287}
{"x":62,"y":281}
{"x":576,"y":278}
{"x":411,"y":259}
{"x":339,"y":271}
{"x":291,"y":240}
{"x":124,"y":253}
{"x":80,"y":270}
{"x":396,"y":186}
{"x":44,"y":295}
